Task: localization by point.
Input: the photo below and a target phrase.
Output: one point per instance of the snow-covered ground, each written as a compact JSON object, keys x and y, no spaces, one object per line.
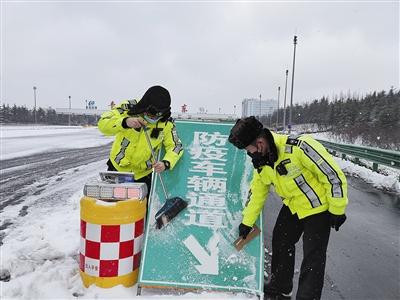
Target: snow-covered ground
{"x":40,"y":249}
{"x":17,"y":141}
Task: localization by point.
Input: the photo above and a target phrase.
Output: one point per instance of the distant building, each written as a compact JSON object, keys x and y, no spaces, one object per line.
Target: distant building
{"x":253,"y":107}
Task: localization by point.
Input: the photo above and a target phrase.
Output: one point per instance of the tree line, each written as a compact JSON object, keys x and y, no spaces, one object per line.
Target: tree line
{"x":373,"y":118}
{"x":21,"y":114}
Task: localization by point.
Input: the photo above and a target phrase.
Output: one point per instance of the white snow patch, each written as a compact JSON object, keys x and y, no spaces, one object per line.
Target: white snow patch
{"x":47,"y":138}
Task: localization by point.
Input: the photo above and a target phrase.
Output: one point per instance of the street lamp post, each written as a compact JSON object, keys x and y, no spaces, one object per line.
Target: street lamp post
{"x":277,"y":112}
{"x":291,"y":92}
{"x":69,"y":114}
{"x":284,"y":103}
{"x":260,"y":106}
{"x":270,"y":116}
{"x":34,"y":103}
{"x":234,"y":110}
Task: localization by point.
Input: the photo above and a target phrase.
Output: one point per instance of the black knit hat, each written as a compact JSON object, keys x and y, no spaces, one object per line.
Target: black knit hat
{"x":155,"y":100}
{"x":245,"y":131}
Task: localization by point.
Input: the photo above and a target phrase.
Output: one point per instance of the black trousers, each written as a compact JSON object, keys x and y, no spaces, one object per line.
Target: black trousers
{"x":287,"y":231}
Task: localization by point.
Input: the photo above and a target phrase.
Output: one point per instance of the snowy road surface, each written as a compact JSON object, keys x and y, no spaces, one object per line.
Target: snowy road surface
{"x":40,"y":228}
{"x":363,"y":256}
{"x":19,"y":174}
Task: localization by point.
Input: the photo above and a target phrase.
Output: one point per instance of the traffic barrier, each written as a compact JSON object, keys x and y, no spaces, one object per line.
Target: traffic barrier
{"x":111,"y":241}
{"x":374,"y":155}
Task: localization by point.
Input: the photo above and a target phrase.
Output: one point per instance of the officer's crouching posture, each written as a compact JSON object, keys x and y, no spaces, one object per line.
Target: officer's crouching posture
{"x":314,"y":193}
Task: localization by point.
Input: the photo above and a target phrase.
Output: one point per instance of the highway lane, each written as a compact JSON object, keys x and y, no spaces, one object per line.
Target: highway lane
{"x":28,"y":177}
{"x":19,"y":174}
{"x":363,"y":257}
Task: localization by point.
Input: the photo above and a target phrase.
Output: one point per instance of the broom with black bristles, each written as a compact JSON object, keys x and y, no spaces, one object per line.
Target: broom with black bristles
{"x":173,"y":206}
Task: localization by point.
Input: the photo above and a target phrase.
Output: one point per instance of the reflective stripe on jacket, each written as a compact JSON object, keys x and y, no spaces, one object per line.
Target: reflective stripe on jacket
{"x":130,"y":151}
{"x":314,"y":182}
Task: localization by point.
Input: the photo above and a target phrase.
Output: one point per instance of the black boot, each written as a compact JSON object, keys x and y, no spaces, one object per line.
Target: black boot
{"x":271,"y":291}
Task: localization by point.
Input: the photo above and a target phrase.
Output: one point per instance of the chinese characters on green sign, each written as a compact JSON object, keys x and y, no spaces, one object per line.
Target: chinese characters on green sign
{"x":195,"y":250}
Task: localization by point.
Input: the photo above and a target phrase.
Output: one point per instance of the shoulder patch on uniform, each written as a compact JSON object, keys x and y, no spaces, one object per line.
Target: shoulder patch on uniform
{"x":292,"y":141}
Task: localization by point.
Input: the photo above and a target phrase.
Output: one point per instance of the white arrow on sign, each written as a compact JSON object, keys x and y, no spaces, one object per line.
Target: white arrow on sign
{"x":208,"y":263}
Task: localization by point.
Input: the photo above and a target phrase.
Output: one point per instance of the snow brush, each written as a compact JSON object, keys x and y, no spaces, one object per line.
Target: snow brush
{"x":173,"y":206}
{"x":241,"y":242}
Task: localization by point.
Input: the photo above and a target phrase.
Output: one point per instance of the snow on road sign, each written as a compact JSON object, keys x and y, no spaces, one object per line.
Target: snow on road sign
{"x":195,"y":250}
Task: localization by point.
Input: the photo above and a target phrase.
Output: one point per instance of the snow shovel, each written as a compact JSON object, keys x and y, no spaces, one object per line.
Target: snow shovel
{"x":172,"y":206}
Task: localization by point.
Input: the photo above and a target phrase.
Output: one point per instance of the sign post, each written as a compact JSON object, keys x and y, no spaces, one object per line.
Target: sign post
{"x":196,"y":250}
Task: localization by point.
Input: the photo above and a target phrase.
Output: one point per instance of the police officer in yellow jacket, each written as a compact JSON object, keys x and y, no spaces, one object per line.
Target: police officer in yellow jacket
{"x":314,"y":193}
{"x":130,"y":151}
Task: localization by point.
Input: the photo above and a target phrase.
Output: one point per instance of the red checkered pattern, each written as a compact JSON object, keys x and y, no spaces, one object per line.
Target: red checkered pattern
{"x":110,"y":250}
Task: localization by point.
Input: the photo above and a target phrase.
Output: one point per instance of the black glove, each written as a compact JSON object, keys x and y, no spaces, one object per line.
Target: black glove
{"x":337,"y":221}
{"x":244,"y":230}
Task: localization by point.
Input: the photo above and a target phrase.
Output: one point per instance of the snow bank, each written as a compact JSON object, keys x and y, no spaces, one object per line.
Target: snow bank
{"x":388,"y":181}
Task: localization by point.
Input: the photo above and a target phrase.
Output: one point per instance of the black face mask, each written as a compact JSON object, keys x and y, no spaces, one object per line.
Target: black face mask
{"x":258,"y":159}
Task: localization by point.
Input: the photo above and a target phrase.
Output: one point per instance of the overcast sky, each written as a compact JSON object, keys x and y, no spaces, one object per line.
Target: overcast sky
{"x":208,"y":54}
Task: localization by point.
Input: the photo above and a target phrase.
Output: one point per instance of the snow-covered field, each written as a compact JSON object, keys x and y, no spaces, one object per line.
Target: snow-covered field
{"x":40,"y":249}
{"x":17,"y":141}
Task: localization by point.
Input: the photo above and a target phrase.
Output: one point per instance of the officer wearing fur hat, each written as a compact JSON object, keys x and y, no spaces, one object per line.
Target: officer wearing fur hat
{"x":314,"y":194}
{"x":130,"y":151}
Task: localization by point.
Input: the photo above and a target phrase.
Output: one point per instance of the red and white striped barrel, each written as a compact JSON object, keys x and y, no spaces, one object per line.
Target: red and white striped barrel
{"x":110,"y":250}
{"x":111,"y":241}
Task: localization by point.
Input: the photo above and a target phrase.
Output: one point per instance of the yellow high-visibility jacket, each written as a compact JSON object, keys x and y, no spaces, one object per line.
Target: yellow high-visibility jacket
{"x":314,"y":182}
{"x":130,"y":151}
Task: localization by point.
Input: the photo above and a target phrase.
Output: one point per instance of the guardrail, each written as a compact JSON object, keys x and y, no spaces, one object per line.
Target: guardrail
{"x":374,"y":155}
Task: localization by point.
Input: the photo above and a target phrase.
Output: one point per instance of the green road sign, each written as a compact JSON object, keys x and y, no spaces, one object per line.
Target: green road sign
{"x":195,"y":250}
